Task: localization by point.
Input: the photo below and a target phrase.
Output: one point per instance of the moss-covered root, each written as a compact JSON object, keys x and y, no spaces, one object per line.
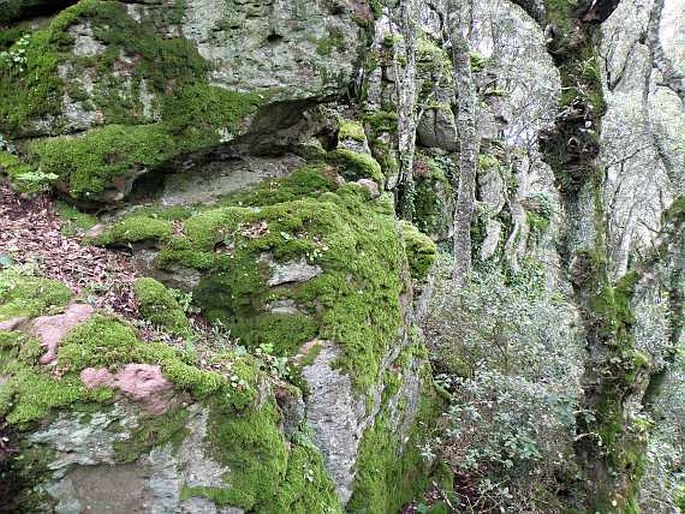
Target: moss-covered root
{"x":158,"y":305}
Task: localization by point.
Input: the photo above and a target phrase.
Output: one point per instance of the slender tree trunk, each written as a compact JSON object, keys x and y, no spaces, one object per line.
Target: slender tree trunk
{"x":407,"y":116}
{"x":468,"y":140}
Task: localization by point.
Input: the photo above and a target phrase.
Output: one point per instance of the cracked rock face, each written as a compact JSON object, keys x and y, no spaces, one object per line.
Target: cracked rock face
{"x":278,"y":44}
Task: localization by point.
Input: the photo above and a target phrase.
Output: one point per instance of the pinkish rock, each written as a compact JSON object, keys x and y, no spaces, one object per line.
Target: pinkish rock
{"x":142,"y":382}
{"x":11,"y":324}
{"x":51,"y":330}
{"x":93,"y":378}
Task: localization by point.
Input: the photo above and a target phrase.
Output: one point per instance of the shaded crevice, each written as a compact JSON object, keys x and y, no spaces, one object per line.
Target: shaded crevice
{"x":14,"y":11}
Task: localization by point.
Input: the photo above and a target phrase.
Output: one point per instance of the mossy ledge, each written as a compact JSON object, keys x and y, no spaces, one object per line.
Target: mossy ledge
{"x":185,"y":113}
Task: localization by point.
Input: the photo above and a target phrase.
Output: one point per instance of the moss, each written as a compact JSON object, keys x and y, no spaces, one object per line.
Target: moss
{"x":355,"y":166}
{"x":193,"y":113}
{"x":335,"y":41}
{"x":351,"y":130}
{"x":421,"y":251}
{"x":306,"y":487}
{"x":98,"y":342}
{"x":159,"y":306}
{"x":135,"y":229}
{"x":167,"y":428}
{"x":353,"y":240}
{"x":265,"y":474}
{"x":30,"y":296}
{"x":434,"y":198}
{"x":252,"y":447}
{"x":73,"y":220}
{"x":22,"y":176}
{"x":108,"y":342}
{"x":197,"y":111}
{"x":286,"y":332}
{"x":478,"y":62}
{"x":390,"y":474}
{"x":676,"y":211}
{"x":30,"y":393}
{"x":309,"y":181}
{"x":21,"y":347}
{"x":35,"y":92}
{"x":89,"y":164}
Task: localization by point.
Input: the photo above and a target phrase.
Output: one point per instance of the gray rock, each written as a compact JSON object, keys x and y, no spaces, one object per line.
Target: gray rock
{"x":293,"y":271}
{"x":437,"y":129}
{"x":371,"y":186}
{"x":276,"y":44}
{"x":206,"y":184}
{"x":334,"y":413}
{"x":85,"y":45}
{"x":493,"y":234}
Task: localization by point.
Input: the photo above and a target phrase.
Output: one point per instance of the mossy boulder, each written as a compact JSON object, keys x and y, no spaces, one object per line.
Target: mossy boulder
{"x":318,"y":272}
{"x":158,"y":305}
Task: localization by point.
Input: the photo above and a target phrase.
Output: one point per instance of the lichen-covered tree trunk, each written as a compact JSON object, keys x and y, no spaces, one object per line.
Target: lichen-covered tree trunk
{"x":609,"y":449}
{"x":406,"y":107}
{"x":468,"y":141}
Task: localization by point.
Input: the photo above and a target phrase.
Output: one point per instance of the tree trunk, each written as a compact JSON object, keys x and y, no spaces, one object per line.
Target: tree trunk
{"x":407,"y":117}
{"x":468,"y":141}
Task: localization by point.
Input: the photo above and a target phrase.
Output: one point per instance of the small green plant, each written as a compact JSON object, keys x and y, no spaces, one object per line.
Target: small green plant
{"x":15,"y":58}
{"x":478,"y":62}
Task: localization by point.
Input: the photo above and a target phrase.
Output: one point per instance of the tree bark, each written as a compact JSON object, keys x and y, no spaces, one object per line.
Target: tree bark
{"x":407,"y":116}
{"x":468,"y":141}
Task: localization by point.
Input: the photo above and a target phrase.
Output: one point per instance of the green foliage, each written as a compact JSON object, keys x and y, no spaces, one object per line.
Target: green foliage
{"x":158,"y":305}
{"x":511,"y":361}
{"x":30,"y":296}
{"x":14,"y":59}
{"x":23,"y":176}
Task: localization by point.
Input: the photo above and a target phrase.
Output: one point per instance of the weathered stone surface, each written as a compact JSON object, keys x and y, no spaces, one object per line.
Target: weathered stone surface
{"x":335,"y":414}
{"x":12,"y":324}
{"x":437,"y":129}
{"x":137,"y":381}
{"x":294,"y":271}
{"x":493,"y":234}
{"x":209,"y":183}
{"x":278,"y":44}
{"x":371,"y":186}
